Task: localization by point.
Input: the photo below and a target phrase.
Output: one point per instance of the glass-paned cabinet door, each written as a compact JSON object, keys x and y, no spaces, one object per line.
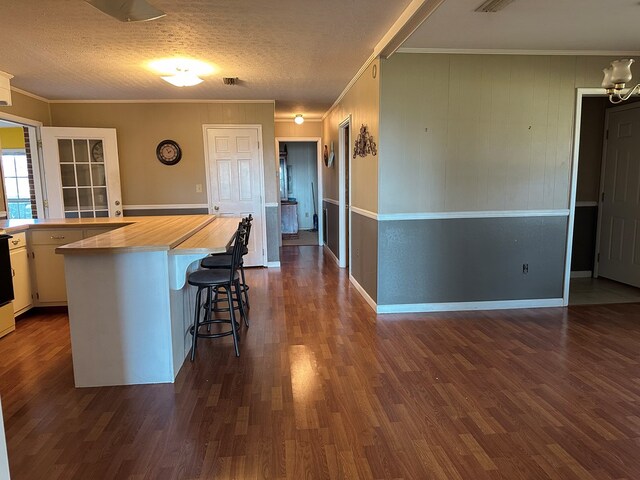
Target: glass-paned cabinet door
{"x":82,"y":172}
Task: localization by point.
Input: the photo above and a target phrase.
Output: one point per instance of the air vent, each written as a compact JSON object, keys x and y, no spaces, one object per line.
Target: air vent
{"x":230,"y":80}
{"x":492,"y":6}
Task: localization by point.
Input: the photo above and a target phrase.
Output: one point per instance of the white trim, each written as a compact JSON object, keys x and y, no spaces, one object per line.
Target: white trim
{"x":465,"y":306}
{"x":385,"y":217}
{"x":4,"y":214}
{"x":500,"y":51}
{"x":319,"y":175}
{"x":582,"y":274}
{"x":407,"y":23}
{"x":6,"y":75}
{"x":282,"y":119}
{"x":586,"y":204}
{"x":344,"y":219}
{"x":331,"y":254}
{"x":272,"y":204}
{"x":273,"y":264}
{"x":331,"y":200}
{"x":29,"y":94}
{"x":364,"y":293}
{"x":364,"y":213}
{"x":355,"y":78}
{"x":258,"y":127}
{"x":27,"y":122}
{"x":167,"y":206}
{"x":163,"y":100}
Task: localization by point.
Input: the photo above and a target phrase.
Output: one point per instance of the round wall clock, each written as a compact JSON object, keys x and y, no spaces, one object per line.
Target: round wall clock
{"x":169,"y":152}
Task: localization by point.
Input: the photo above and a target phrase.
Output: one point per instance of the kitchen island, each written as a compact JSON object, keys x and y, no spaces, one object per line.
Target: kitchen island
{"x":129,"y":306}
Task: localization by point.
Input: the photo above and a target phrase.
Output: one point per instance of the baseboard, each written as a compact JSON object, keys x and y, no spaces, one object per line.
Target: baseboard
{"x":333,"y":255}
{"x":582,"y":274}
{"x":273,"y":264}
{"x":465,"y":306}
{"x":363,"y":292}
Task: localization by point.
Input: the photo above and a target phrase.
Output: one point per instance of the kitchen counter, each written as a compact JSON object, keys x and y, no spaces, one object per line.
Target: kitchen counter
{"x":130,"y":308}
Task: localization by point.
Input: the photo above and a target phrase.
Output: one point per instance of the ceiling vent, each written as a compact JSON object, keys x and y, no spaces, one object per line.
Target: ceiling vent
{"x":5,"y":89}
{"x":230,"y":80}
{"x":492,"y":6}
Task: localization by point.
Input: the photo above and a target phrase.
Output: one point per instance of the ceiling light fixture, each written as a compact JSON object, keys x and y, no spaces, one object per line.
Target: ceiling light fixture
{"x":181,"y":72}
{"x":616,"y":76}
{"x":493,"y":6}
{"x":183,"y":78}
{"x":299,"y":119}
{"x":128,"y":10}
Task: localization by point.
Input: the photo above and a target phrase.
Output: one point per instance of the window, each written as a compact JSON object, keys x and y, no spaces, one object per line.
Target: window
{"x":16,"y":183}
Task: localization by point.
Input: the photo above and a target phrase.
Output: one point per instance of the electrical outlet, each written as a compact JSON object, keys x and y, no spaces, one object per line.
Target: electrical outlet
{"x":525,"y":268}
{"x":198,"y":188}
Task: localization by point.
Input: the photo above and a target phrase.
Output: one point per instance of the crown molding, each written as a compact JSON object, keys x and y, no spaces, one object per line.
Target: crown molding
{"x":500,"y":51}
{"x":29,"y":94}
{"x":164,"y":100}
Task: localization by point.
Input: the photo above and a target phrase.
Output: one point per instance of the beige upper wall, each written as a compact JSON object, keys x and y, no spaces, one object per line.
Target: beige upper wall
{"x":362,"y":102}
{"x":291,"y":129}
{"x":479,"y":132}
{"x":141,"y":126}
{"x":28,"y":107}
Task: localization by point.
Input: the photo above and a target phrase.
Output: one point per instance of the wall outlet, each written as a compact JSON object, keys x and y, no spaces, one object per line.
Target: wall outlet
{"x":198,"y":188}
{"x":525,"y":268}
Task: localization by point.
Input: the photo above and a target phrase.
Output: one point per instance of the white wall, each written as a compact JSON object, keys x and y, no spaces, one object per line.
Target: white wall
{"x":302,"y":159}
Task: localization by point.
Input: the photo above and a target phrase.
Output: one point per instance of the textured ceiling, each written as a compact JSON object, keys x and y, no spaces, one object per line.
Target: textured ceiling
{"x":301,"y":53}
{"x":565,"y":25}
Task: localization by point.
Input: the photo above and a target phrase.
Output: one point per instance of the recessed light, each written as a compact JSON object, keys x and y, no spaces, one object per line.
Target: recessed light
{"x":181,"y":72}
{"x":299,"y":119}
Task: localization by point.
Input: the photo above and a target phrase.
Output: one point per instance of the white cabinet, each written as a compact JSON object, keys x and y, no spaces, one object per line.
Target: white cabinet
{"x":20,"y":271}
{"x":48,"y":267}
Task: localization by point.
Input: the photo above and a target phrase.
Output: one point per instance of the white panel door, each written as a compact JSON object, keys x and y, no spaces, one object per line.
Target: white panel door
{"x":235,"y":181}
{"x":82,"y":175}
{"x":620,"y":220}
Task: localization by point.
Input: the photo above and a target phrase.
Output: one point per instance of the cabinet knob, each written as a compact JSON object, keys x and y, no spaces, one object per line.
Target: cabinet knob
{"x":216,"y":208}
{"x":57,"y":237}
{"x":117,"y":203}
{"x":118,"y":213}
{"x":15,"y":242}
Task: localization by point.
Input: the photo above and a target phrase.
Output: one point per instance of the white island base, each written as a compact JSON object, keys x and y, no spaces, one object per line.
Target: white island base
{"x":130,"y":309}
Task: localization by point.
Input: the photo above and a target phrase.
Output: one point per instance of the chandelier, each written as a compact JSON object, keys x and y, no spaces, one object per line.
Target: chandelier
{"x":616,"y":76}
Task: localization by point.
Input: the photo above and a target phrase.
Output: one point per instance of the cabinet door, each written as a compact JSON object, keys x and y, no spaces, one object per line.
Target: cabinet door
{"x":81,"y":171}
{"x":21,"y":280}
{"x":48,"y":268}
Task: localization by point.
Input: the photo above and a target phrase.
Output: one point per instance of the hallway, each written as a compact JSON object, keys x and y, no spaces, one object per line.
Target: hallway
{"x":325,"y":390}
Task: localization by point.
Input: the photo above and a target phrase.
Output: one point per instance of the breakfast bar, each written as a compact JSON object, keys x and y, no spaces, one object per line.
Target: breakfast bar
{"x":129,"y":307}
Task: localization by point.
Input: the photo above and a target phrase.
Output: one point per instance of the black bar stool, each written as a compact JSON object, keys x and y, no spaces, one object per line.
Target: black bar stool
{"x":223,"y":260}
{"x":214,"y":280}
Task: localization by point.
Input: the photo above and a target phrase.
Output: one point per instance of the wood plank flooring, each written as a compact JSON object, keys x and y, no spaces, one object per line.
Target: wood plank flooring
{"x":325,"y":390}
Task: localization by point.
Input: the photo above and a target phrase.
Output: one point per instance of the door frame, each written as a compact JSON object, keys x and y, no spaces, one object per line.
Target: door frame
{"x":603,"y":165}
{"x":319,"y":189}
{"x":35,"y":141}
{"x":344,"y":223}
{"x":207,"y":160}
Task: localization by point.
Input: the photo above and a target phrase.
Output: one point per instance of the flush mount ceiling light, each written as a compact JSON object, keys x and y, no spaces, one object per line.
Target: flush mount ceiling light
{"x":181,"y":72}
{"x":127,"y":10}
{"x":616,"y":76}
{"x":299,"y":119}
{"x":493,"y":6}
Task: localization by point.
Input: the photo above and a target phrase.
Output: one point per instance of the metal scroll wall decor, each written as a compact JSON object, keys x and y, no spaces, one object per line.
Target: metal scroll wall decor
{"x":365,"y":144}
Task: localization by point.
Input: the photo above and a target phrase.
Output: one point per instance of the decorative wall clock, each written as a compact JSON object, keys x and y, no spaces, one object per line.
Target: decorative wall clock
{"x":169,"y":152}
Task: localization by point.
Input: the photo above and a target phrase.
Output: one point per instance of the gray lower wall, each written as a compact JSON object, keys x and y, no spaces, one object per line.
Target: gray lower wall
{"x":364,"y":253}
{"x":273,"y":234}
{"x":470,"y":260}
{"x":585,"y":226}
{"x":332,"y":229}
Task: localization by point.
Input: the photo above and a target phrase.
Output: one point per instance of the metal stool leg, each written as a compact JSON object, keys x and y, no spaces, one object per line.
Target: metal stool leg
{"x":233,"y":320}
{"x":245,"y":288}
{"x":196,"y":324}
{"x":243,"y":311}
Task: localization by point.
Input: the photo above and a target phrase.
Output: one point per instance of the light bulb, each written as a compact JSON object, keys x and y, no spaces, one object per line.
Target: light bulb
{"x":299,"y":119}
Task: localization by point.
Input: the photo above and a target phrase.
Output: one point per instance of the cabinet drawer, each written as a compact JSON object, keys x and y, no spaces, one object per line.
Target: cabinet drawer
{"x":56,"y":237}
{"x":19,"y":240}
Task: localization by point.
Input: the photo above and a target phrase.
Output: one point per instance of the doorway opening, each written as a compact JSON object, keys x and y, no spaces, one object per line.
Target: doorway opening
{"x":604,"y":245}
{"x":300,"y":175}
{"x":19,"y":173}
{"x":344,"y":139}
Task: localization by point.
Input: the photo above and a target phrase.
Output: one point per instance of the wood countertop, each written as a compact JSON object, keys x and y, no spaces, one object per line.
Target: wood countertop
{"x":185,"y":234}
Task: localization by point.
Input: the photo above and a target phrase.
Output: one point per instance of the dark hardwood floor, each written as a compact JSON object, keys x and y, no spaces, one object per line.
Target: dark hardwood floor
{"x":324,"y":389}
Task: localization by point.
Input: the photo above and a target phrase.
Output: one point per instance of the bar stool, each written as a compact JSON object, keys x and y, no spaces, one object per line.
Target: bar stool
{"x":214,"y":280}
{"x":222,"y":261}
